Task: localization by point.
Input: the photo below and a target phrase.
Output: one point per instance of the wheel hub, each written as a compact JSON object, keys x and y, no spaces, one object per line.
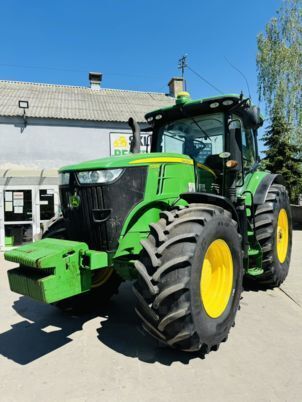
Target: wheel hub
{"x":282,"y":235}
{"x":101,"y":276}
{"x":216,"y":281}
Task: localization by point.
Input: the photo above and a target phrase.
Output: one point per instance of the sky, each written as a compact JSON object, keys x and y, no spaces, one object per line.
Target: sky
{"x":136,"y":44}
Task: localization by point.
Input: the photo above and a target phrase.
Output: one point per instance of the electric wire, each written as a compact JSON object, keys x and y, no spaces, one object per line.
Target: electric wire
{"x":205,"y":80}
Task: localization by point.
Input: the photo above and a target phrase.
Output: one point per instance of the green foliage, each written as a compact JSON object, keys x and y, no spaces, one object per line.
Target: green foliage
{"x":280,"y":154}
{"x":279,"y":62}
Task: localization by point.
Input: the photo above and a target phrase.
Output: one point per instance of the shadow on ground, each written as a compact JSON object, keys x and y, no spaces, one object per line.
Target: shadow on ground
{"x":250,"y":285}
{"x":27,"y":341}
{"x":46,"y":329}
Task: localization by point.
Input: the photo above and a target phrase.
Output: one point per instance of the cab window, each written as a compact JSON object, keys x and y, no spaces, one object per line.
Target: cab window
{"x":248,"y":148}
{"x":198,"y":137}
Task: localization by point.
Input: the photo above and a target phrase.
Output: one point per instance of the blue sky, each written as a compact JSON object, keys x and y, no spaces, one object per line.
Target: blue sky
{"x":136,"y":44}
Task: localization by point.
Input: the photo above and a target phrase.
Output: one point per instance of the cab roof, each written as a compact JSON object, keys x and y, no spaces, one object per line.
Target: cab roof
{"x":186,"y":107}
{"x":223,"y":101}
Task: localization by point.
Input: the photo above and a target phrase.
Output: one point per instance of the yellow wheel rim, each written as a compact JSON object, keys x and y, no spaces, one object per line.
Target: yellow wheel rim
{"x":216,"y":280}
{"x":282,"y":236}
{"x":101,"y":277}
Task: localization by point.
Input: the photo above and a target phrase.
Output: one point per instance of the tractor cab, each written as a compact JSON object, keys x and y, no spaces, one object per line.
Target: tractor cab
{"x":219,"y":134}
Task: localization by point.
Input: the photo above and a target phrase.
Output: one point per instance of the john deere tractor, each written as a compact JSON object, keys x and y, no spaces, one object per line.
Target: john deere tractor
{"x":186,"y":222}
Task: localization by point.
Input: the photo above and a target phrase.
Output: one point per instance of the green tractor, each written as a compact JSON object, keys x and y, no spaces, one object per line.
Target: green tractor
{"x":187,"y":222}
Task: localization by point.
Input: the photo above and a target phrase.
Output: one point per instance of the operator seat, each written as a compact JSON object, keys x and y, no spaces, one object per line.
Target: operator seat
{"x":215,"y":163}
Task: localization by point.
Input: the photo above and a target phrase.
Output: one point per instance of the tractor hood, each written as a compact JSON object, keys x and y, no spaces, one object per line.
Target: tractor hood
{"x":128,"y":161}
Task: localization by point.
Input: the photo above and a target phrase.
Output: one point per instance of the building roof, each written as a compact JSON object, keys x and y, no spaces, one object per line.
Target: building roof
{"x":78,"y":103}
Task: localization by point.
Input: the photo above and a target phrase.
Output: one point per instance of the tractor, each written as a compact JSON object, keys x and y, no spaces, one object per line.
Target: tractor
{"x":188,"y":222}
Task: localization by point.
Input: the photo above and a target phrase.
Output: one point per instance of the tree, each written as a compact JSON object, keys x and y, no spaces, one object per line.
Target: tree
{"x":279,"y":154}
{"x":279,"y":64}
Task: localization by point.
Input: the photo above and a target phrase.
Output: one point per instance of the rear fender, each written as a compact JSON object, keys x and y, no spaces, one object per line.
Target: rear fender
{"x":238,"y":216}
{"x":258,"y":185}
{"x":264,"y":185}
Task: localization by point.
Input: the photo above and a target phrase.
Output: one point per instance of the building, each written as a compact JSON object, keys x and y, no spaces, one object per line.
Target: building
{"x":44,"y":127}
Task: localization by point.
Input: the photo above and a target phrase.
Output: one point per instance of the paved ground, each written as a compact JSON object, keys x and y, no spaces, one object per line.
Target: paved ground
{"x":46,"y":356}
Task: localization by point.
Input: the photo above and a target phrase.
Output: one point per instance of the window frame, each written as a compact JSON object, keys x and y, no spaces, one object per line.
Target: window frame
{"x":158,"y":131}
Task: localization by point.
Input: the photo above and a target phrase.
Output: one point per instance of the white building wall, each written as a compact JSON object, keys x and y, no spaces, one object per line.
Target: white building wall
{"x":46,"y":143}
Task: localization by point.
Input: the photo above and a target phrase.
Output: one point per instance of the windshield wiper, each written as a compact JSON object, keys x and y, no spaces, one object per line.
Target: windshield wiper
{"x":200,"y":128}
{"x":174,"y":137}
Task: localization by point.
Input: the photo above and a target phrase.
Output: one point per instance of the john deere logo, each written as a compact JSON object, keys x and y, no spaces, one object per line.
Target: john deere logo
{"x":74,"y":201}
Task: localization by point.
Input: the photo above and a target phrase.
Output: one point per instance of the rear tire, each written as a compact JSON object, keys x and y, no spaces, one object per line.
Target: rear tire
{"x":105,"y":281}
{"x":173,"y":272}
{"x":273,"y":229}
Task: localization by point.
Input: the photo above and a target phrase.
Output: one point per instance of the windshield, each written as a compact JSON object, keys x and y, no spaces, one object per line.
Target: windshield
{"x":198,"y":136}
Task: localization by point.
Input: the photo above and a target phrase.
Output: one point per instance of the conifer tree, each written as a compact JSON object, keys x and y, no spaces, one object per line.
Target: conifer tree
{"x":280,"y":154}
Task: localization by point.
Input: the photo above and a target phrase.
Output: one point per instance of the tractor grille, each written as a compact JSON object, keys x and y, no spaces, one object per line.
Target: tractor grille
{"x":103,"y":208}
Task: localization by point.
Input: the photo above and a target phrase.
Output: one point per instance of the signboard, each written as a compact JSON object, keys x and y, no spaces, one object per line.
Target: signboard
{"x":207,"y":150}
{"x":120,"y":143}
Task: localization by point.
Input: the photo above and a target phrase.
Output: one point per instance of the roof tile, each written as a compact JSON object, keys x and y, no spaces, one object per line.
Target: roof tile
{"x":78,"y":103}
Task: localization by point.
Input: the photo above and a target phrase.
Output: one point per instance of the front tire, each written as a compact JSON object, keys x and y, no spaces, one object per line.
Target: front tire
{"x":190,"y":278}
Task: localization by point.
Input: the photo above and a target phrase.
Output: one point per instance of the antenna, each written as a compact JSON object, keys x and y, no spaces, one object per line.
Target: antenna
{"x":241,"y":73}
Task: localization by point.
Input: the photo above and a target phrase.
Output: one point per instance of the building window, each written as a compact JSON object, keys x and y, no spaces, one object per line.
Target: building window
{"x":17,"y":205}
{"x":47,"y":204}
{"x":15,"y":235}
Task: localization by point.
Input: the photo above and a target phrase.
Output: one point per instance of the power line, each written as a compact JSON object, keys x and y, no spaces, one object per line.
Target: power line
{"x":205,"y":80}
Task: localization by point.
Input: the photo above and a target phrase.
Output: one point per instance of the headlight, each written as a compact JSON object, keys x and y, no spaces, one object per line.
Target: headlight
{"x":64,"y":179}
{"x":99,"y":176}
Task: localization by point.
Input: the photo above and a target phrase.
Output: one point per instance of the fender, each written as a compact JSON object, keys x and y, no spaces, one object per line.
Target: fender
{"x":55,"y":224}
{"x":263,"y":187}
{"x":136,"y":226}
{"x":238,"y":216}
{"x":207,"y":198}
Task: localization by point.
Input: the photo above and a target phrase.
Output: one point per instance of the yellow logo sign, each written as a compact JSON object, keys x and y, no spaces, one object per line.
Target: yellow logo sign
{"x":121,"y":142}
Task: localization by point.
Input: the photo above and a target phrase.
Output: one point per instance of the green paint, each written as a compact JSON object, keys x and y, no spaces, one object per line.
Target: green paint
{"x":254,"y":271}
{"x":164,"y":184}
{"x":113,"y":162}
{"x":9,"y":241}
{"x":74,"y":201}
{"x":51,"y":270}
{"x":251,"y":183}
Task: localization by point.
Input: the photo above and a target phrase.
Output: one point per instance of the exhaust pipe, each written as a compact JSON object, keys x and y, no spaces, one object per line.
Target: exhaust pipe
{"x":135,"y":145}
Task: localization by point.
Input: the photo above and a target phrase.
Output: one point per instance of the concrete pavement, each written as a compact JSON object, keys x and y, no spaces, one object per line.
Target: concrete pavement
{"x":48,"y":356}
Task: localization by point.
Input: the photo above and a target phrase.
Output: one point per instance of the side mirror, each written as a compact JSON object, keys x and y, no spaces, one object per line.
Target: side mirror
{"x":235,"y":144}
{"x":135,"y":145}
{"x":253,"y":118}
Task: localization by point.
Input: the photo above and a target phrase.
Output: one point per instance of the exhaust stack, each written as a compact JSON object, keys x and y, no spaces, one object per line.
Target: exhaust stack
{"x":135,"y":145}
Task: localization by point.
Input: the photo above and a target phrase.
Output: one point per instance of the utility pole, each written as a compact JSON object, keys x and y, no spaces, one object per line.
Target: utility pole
{"x":182,"y":64}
